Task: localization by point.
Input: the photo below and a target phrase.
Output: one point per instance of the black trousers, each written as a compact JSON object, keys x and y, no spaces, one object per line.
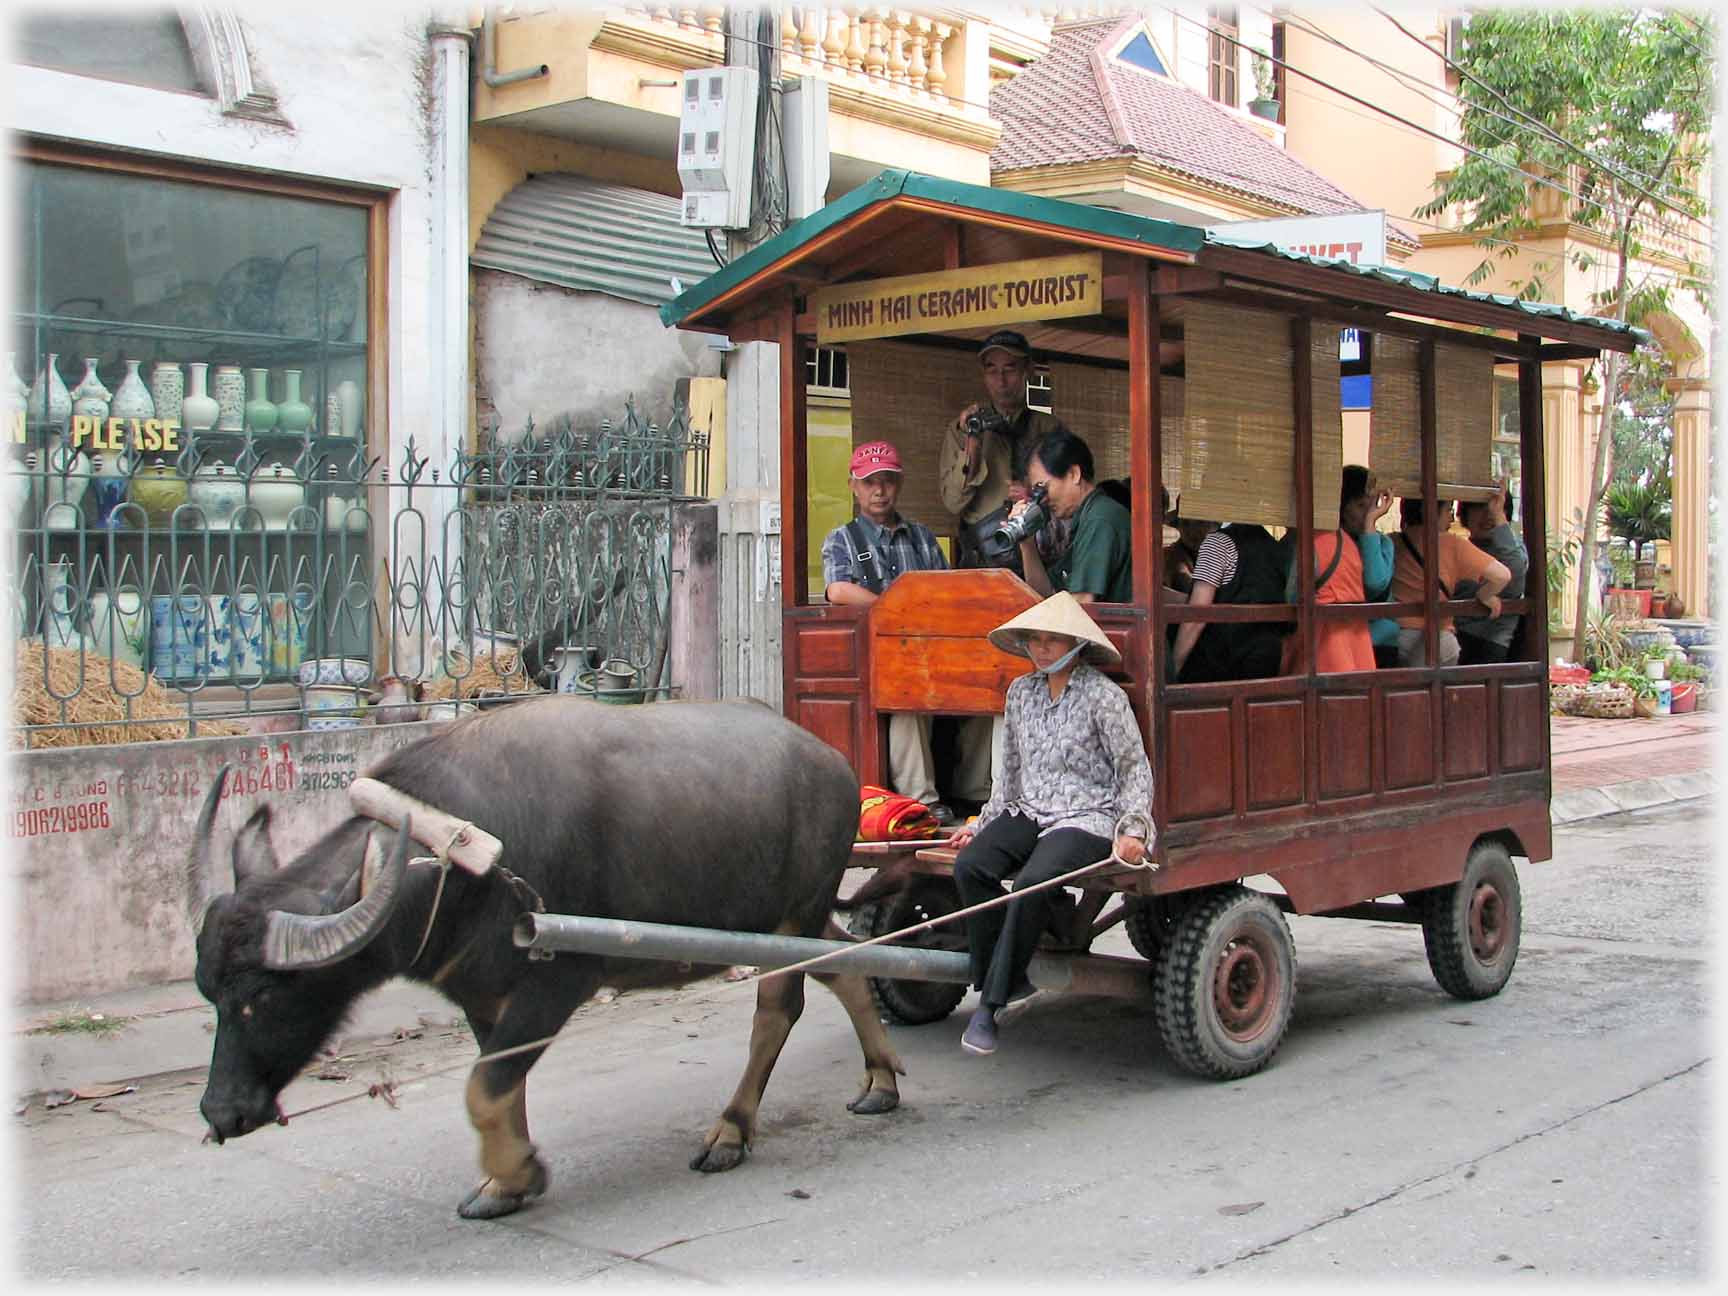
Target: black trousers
{"x":1003,"y":939}
{"x":1474,"y":651}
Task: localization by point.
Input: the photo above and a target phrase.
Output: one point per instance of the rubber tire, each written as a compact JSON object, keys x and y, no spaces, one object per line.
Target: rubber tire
{"x":1471,"y":928}
{"x":1235,"y":930}
{"x":1149,"y":923}
{"x":914,"y":1003}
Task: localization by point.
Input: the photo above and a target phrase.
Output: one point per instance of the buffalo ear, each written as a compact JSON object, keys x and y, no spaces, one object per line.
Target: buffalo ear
{"x":254,"y":856}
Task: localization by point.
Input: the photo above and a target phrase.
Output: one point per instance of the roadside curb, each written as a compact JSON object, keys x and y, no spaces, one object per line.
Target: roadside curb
{"x":1633,"y":794}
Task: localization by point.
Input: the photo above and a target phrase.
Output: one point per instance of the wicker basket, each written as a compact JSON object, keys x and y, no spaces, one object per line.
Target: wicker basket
{"x":1605,"y":702}
{"x":1563,"y":698}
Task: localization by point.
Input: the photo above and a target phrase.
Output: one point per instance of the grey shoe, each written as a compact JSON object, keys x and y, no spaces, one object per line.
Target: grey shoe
{"x":942,"y":814}
{"x":1015,"y":1008}
{"x":980,"y":1036}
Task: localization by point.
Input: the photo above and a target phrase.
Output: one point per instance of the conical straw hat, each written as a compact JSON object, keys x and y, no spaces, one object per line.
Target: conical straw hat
{"x":1061,"y":614}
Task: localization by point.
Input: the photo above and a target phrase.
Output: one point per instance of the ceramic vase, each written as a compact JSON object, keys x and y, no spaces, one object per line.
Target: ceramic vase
{"x":119,"y":625}
{"x":90,"y":399}
{"x":228,"y":386}
{"x":65,"y":478}
{"x":342,"y":513}
{"x":276,"y":494}
{"x":352,"y":404}
{"x":198,"y":411}
{"x":132,"y":399}
{"x":293,"y":414}
{"x":261,"y":410}
{"x":158,"y":490}
{"x":332,"y":415}
{"x":219,"y":491}
{"x":110,"y":478}
{"x":49,"y":403}
{"x":168,"y":390}
{"x":179,"y":636}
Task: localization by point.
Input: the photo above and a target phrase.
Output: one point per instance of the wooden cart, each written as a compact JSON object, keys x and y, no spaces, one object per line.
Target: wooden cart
{"x":1346,"y":791}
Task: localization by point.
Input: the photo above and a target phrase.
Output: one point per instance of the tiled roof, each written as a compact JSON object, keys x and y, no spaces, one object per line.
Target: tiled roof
{"x":1077,"y":104}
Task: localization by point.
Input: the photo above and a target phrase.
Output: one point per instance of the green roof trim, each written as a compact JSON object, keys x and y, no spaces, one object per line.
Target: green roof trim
{"x":887,"y":185}
{"x":1428,"y":283}
{"x":1081,"y":219}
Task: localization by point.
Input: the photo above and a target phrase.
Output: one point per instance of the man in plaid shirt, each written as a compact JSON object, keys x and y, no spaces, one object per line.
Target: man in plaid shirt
{"x":859,"y":561}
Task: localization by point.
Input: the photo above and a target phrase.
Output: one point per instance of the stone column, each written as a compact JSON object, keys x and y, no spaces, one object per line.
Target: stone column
{"x":1691,"y":543}
{"x":1568,"y":443}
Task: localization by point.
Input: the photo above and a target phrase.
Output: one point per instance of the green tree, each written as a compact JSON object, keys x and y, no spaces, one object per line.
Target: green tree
{"x":1614,"y":106}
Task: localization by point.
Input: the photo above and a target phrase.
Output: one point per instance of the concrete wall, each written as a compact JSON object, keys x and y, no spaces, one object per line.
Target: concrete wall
{"x":99,"y":837}
{"x":544,"y":350}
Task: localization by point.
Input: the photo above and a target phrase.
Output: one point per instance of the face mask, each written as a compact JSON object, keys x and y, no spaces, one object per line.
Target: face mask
{"x":1062,"y":663}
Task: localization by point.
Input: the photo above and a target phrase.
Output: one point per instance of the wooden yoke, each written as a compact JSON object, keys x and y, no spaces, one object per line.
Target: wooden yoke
{"x":928,"y":650}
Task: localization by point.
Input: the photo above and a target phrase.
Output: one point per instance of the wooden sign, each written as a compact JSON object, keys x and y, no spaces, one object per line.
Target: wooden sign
{"x":1009,"y":292}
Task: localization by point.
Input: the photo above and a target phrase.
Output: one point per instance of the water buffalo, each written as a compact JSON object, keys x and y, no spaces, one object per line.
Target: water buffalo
{"x":704,"y":814}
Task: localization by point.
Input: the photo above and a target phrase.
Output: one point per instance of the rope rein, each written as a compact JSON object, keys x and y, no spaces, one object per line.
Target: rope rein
{"x":386,"y":1091}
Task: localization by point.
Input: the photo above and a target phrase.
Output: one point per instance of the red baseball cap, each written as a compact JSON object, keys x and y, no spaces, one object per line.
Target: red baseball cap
{"x":875,"y":457}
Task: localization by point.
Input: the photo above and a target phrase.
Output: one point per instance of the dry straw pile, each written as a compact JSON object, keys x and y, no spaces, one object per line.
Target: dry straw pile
{"x":94,"y":696}
{"x":484,"y":675}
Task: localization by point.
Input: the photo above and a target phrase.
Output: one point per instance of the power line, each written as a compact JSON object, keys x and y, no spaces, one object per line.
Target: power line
{"x":1545,"y":181}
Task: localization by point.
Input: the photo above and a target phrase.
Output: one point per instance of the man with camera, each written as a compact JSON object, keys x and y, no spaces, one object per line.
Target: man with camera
{"x":984,"y":451}
{"x":861,"y":559}
{"x":1097,"y":564}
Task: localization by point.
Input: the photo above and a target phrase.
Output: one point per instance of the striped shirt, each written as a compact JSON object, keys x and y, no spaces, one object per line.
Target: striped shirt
{"x":907,"y":546}
{"x":1077,"y":762}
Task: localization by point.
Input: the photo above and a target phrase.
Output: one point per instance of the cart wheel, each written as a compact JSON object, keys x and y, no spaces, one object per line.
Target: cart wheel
{"x":1150,"y":921}
{"x":1471,"y":928}
{"x":915,"y":1003}
{"x":1226,"y":984}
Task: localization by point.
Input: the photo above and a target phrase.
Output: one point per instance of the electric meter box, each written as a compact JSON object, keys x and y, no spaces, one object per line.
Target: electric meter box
{"x":805,"y":132}
{"x":717,"y":146}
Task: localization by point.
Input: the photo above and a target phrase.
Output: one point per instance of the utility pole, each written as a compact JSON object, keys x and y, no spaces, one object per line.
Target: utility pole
{"x":753,"y":40}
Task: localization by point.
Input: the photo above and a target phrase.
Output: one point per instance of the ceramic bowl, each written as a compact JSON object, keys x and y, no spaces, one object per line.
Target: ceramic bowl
{"x":353,"y":671}
{"x":447,"y":710}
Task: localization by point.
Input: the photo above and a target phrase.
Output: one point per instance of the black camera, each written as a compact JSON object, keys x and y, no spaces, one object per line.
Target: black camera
{"x":1007,"y":536}
{"x":985,"y":420}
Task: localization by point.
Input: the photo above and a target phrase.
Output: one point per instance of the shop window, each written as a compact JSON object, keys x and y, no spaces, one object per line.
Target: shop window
{"x":1221,"y":56}
{"x":1040,"y":395}
{"x":145,"y":47}
{"x":825,"y":371}
{"x":197,"y":425}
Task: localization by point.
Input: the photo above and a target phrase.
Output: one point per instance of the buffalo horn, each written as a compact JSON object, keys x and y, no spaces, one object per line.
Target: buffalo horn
{"x":294,"y":942}
{"x":199,"y":890}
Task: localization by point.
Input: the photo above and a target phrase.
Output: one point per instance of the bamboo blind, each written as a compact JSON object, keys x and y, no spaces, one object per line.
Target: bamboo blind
{"x":1395,"y":419}
{"x":1463,"y":416}
{"x":1327,"y":414}
{"x":1240,"y":427}
{"x":908,"y":395}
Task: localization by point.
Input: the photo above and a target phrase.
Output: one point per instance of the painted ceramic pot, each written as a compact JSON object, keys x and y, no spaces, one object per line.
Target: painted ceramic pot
{"x":276,"y":493}
{"x":179,"y":636}
{"x":220,"y":492}
{"x":158,"y":489}
{"x":132,"y":399}
{"x":90,"y":399}
{"x":168,"y":390}
{"x":228,"y":386}
{"x":110,"y":478}
{"x":239,"y":625}
{"x":333,"y":706}
{"x":353,"y":672}
{"x":291,"y":617}
{"x":119,"y":625}
{"x":49,"y":403}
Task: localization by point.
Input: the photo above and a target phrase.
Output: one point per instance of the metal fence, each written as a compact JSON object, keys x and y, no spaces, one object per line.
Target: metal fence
{"x":221,"y":586}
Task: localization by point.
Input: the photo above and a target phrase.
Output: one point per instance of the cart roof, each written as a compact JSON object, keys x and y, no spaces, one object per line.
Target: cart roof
{"x":902,"y":222}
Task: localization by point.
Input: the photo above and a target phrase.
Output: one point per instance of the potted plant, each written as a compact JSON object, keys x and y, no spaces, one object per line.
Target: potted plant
{"x":1630,"y":678}
{"x":1265,"y":102}
{"x":1640,"y":513}
{"x":1688,"y":683}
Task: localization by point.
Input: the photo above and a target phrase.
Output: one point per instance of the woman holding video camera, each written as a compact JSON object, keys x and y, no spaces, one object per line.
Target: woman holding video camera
{"x":1096,"y":565}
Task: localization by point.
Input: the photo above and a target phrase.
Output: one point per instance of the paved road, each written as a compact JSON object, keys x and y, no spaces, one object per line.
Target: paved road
{"x":1556,"y":1131}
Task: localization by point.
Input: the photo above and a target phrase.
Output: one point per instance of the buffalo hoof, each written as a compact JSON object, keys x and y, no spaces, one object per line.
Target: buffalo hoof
{"x":488,"y":1202}
{"x":873,"y":1102}
{"x":720,"y":1156}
